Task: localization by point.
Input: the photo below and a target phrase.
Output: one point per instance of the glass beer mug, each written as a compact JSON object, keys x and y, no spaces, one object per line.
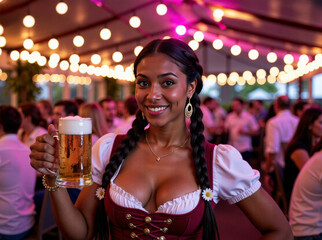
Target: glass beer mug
{"x":74,"y":152}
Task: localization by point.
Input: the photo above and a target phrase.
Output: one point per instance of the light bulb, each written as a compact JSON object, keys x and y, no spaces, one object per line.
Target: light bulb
{"x":271,"y":57}
{"x":161,"y":9}
{"x":24,"y":55}
{"x":194,"y":45}
{"x":42,"y":61}
{"x":29,"y":21}
{"x":137,"y":50}
{"x":117,"y":56}
{"x":218,"y":14}
{"x":28,"y":43}
{"x":247,"y":75}
{"x":135,"y":22}
{"x":274,"y":71}
{"x":78,"y":41}
{"x":3,"y":41}
{"x":74,"y":58}
{"x":64,"y":65}
{"x":235,"y":50}
{"x":198,"y":36}
{"x":288,"y":59}
{"x":181,"y":30}
{"x":261,"y":73}
{"x":304,"y":59}
{"x":1,"y":29}
{"x":14,"y":55}
{"x":96,"y":59}
{"x":53,"y":43}
{"x":253,"y":54}
{"x":218,"y":44}
{"x":105,"y":34}
{"x":61,"y":7}
{"x":54,"y":57}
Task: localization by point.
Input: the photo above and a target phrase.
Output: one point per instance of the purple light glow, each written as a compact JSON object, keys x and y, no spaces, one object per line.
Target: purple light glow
{"x":181,"y":30}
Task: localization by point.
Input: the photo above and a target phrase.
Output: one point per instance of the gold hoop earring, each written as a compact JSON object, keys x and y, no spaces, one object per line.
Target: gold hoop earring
{"x":143,"y":116}
{"x":188,"y":110}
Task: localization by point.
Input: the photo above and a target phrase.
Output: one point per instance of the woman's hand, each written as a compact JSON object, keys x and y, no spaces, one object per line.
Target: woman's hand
{"x":43,"y":155}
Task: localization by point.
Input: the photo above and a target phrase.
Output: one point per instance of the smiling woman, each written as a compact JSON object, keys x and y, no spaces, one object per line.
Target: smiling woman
{"x":161,"y":180}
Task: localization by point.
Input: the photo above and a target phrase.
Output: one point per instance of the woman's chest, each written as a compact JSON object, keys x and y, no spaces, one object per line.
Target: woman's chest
{"x":154,"y":183}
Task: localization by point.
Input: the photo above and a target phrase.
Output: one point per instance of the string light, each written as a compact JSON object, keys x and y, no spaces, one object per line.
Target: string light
{"x":28,"y":21}
{"x":235,"y":50}
{"x":64,"y":65}
{"x":53,"y":43}
{"x":105,"y":34}
{"x":14,"y":55}
{"x":271,"y":57}
{"x":24,"y":55}
{"x":78,"y":41}
{"x":96,"y":59}
{"x":198,"y":36}
{"x":253,"y":54}
{"x":181,"y":30}
{"x":28,"y":43}
{"x":161,"y":9}
{"x":42,"y":61}
{"x":194,"y":45}
{"x":61,"y":7}
{"x":218,"y":14}
{"x":117,"y":56}
{"x":3,"y":41}
{"x":218,"y":44}
{"x":137,"y":50}
{"x":1,"y":29}
{"x":135,"y":22}
{"x":288,"y":59}
{"x":74,"y":58}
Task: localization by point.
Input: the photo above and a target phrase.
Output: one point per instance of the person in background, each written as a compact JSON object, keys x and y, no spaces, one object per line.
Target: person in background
{"x":241,"y":126}
{"x":79,"y":101}
{"x":46,"y":110}
{"x":17,"y":179}
{"x":120,"y":109}
{"x":158,"y":180}
{"x":299,"y":107}
{"x":64,"y":108}
{"x":207,"y":108}
{"x":30,"y":127}
{"x":220,"y":115}
{"x":307,"y":134}
{"x":130,"y":109}
{"x":109,"y":109}
{"x":259,"y":112}
{"x":95,"y":112}
{"x":305,"y":212}
{"x":278,"y":133}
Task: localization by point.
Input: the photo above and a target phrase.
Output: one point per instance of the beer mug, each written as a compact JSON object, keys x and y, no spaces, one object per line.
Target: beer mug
{"x":74,"y":152}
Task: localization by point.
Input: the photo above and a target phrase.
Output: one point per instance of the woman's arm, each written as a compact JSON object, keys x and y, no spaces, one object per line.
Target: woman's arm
{"x":300,"y":157}
{"x":75,"y":222}
{"x":264,"y":213}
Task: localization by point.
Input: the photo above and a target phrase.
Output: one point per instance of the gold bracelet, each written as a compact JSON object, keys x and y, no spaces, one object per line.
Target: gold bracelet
{"x":49,"y":188}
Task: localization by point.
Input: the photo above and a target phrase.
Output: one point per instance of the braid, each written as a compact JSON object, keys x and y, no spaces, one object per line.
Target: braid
{"x":210,"y":229}
{"x":128,"y":143}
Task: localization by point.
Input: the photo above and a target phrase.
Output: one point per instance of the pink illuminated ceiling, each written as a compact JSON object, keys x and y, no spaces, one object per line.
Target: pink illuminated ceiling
{"x":281,"y":25}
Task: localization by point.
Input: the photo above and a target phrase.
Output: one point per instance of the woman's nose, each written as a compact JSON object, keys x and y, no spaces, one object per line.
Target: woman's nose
{"x":155,"y":92}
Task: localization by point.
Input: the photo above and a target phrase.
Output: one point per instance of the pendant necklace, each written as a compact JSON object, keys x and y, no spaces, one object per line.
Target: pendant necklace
{"x":158,"y":158}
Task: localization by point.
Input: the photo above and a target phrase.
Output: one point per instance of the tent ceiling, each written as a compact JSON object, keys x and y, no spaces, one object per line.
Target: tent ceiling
{"x":281,"y":25}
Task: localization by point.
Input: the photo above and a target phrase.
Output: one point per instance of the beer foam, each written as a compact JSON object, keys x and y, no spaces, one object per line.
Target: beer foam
{"x":75,"y":125}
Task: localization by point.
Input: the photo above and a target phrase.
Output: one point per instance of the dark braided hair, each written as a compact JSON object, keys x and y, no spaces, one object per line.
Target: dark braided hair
{"x":188,"y":63}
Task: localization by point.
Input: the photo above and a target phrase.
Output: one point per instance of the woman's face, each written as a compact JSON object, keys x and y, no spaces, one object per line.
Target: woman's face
{"x":317,"y":127}
{"x":161,"y":90}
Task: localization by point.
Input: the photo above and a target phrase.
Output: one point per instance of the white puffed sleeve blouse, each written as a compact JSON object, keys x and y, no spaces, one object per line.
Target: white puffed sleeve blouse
{"x":234,"y":180}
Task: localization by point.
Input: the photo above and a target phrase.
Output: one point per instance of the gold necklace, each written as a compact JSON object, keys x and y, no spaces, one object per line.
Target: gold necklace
{"x":167,"y":154}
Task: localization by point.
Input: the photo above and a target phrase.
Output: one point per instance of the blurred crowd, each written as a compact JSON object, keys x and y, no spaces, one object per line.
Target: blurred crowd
{"x":282,"y":141}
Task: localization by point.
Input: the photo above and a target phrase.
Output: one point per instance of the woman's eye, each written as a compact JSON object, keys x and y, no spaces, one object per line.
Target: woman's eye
{"x":142,"y":83}
{"x":168,"y":83}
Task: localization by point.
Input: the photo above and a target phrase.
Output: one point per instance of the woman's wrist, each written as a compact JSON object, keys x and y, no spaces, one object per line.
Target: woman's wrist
{"x":51,"y":186}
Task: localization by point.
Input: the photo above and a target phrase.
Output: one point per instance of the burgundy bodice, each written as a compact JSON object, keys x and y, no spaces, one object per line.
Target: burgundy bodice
{"x":129,"y":223}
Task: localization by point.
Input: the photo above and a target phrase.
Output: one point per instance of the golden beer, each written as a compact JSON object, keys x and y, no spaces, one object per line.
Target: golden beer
{"x":74,"y":146}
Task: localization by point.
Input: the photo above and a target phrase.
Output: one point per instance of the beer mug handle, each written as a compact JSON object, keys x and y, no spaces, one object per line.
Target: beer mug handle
{"x":56,"y":138}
